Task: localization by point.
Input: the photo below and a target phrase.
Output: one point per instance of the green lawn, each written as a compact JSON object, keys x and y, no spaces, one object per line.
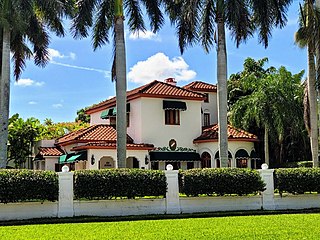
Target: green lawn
{"x":286,"y":226}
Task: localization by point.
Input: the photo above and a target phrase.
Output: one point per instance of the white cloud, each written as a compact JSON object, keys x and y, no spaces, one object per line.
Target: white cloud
{"x":32,"y":103}
{"x":57,"y":105}
{"x":27,"y":82}
{"x":146,"y":35}
{"x":160,"y":67}
{"x":53,"y":53}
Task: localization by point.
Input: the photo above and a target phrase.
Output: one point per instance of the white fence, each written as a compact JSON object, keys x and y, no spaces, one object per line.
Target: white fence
{"x":172,"y":204}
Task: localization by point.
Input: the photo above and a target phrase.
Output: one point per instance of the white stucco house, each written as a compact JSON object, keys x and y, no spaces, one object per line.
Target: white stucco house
{"x":165,"y":124}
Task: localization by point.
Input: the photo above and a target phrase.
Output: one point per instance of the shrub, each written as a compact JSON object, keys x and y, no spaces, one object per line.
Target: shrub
{"x":26,"y":185}
{"x":297,"y":180}
{"x":114,"y":183}
{"x":220,"y":181}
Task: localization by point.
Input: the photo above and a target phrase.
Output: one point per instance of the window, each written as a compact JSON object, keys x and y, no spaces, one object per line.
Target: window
{"x":172,"y":117}
{"x":206,"y":97}
{"x":205,"y":160}
{"x":206,"y":119}
{"x":113,"y":120}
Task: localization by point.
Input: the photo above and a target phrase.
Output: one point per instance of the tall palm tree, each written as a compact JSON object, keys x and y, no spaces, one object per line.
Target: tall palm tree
{"x":308,"y":36}
{"x":23,"y":23}
{"x":205,"y":21}
{"x":107,"y":17}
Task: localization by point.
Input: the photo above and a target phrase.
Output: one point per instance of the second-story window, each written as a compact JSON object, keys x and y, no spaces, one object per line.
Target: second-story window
{"x":206,"y":119}
{"x":206,"y":97}
{"x":172,"y":117}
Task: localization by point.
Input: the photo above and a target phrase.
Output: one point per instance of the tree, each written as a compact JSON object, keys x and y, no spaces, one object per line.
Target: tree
{"x":308,"y":36}
{"x":23,"y":25}
{"x":107,"y":17}
{"x":82,"y":116}
{"x":268,"y":102}
{"x":56,"y":130}
{"x":22,"y":136}
{"x":205,"y":22}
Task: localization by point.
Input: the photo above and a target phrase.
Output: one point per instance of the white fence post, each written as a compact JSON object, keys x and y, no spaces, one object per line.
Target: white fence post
{"x":65,"y":205}
{"x":268,"y":194}
{"x":172,"y":195}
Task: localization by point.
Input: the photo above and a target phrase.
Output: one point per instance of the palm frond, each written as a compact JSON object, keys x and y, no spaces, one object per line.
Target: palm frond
{"x":154,"y":13}
{"x":133,"y":10}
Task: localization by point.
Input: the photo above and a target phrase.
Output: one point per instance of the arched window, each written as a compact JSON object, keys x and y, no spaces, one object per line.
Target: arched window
{"x":217,"y":158}
{"x":242,"y":158}
{"x":205,"y":160}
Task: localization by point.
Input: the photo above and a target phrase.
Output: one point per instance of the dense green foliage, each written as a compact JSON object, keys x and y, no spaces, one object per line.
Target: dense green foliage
{"x":82,"y":116}
{"x":297,"y":180}
{"x":284,"y":226}
{"x":260,"y":98}
{"x":26,"y":185}
{"x":114,"y":183}
{"x":22,"y":136}
{"x":220,"y":181}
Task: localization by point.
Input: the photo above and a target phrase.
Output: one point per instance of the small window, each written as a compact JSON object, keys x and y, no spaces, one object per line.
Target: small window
{"x":190,"y":165}
{"x":206,"y":119}
{"x":206,"y":97}
{"x":113,"y":120}
{"x":128,"y":119}
{"x":172,"y":117}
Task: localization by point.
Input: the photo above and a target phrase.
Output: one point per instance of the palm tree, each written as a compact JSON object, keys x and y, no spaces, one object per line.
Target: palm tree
{"x":24,"y":22}
{"x":205,"y":21}
{"x":308,"y":36}
{"x":107,"y":17}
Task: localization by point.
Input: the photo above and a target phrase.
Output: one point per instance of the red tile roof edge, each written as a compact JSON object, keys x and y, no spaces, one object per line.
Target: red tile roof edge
{"x":140,"y":92}
{"x":107,"y":145}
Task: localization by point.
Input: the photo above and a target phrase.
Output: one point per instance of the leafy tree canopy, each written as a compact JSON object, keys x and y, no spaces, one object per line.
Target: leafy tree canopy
{"x":260,"y":97}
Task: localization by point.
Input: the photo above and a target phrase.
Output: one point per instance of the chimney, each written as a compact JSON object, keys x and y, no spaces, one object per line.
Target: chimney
{"x":170,"y":81}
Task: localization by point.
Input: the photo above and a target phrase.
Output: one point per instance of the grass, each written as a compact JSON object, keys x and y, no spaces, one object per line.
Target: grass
{"x":284,"y":226}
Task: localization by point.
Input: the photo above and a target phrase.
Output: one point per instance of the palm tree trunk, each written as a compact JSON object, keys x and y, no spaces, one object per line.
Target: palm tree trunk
{"x":121,"y":86}
{"x":313,"y":106}
{"x":266,"y":145}
{"x":222,"y":93}
{"x":4,"y":96}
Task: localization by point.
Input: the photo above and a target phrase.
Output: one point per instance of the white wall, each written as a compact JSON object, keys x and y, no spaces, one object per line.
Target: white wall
{"x":99,"y":153}
{"x":96,"y":119}
{"x":135,"y":116}
{"x":156,"y":132}
{"x":233,"y":147}
{"x":211,"y":107}
{"x":50,"y":163}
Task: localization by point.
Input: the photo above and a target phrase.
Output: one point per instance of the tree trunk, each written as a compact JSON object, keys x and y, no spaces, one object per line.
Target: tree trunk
{"x":121,"y":88}
{"x":266,"y":145}
{"x":4,"y":96}
{"x":222,"y":93}
{"x":313,"y":106}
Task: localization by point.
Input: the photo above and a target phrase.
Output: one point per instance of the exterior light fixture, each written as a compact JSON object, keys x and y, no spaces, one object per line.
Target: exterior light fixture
{"x":93,"y":160}
{"x":65,"y":168}
{"x":169,"y":167}
{"x":264,"y":166}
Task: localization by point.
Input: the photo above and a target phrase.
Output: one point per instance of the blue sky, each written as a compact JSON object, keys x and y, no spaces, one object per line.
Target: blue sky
{"x":77,"y":76}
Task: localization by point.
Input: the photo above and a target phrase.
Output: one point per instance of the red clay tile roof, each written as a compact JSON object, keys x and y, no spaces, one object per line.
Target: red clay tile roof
{"x":210,"y":134}
{"x":155,"y":89}
{"x":109,"y":145}
{"x":50,"y":151}
{"x":201,"y":87}
{"x":94,"y":133}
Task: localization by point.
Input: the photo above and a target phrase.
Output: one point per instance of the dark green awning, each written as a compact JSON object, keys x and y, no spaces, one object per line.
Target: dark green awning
{"x":254,"y":155}
{"x":174,"y":156}
{"x":72,"y":157}
{"x":174,"y":105}
{"x":217,"y":155}
{"x":112,"y":112}
{"x":242,"y":154}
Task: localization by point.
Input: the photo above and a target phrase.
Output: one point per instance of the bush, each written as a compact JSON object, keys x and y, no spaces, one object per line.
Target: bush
{"x":297,"y":180}
{"x":220,"y":181}
{"x":114,"y":183}
{"x":26,"y":185}
{"x":297,"y":164}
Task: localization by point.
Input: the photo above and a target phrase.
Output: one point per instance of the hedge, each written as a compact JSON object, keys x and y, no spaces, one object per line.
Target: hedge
{"x":115,"y":183}
{"x":220,"y":181}
{"x":297,"y":180}
{"x":27,"y":185}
